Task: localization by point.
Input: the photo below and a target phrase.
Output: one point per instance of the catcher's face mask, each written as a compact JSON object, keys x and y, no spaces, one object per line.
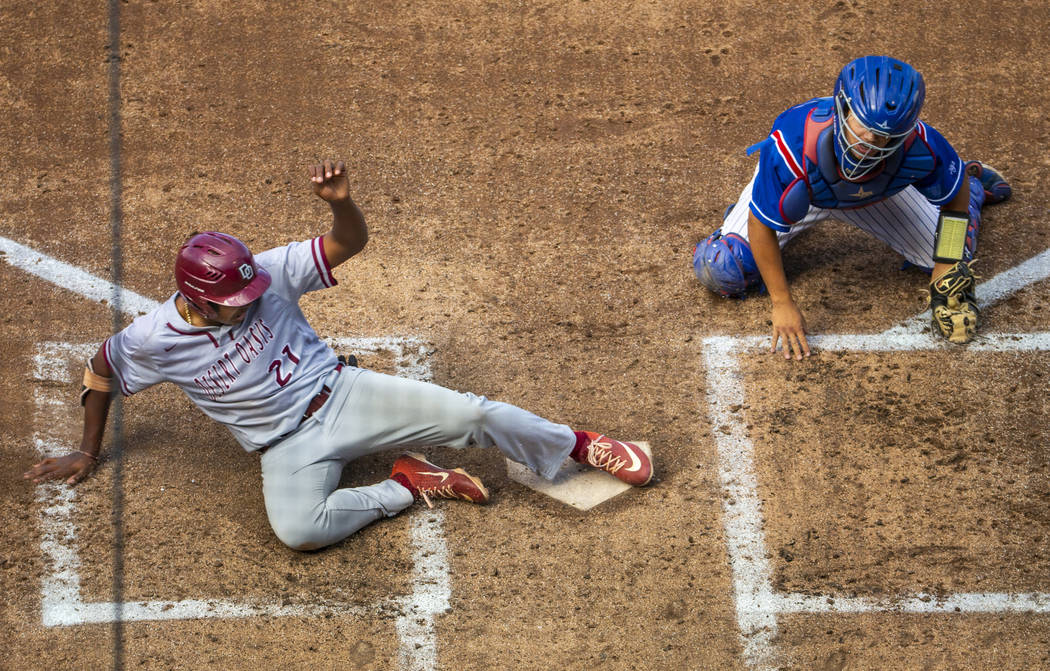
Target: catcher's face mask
{"x":862,"y":148}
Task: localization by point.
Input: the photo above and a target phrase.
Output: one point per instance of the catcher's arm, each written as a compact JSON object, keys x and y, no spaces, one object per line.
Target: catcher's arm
{"x":959,"y":203}
{"x":788,"y":322}
{"x":953,"y":300}
{"x":77,"y":465}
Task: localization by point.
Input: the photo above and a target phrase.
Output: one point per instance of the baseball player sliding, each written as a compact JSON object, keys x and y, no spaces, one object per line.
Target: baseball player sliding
{"x":235,"y":341}
{"x":861,"y":156}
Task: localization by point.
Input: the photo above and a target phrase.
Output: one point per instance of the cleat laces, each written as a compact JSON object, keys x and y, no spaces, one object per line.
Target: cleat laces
{"x":446,"y":492}
{"x":600,"y":455}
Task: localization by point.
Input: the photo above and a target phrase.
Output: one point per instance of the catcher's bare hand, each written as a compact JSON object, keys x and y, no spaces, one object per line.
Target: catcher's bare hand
{"x":329,"y":181}
{"x":72,"y":468}
{"x":789,"y":328}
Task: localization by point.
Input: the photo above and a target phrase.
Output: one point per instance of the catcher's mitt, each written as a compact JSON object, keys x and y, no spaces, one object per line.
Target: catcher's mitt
{"x":954,"y":304}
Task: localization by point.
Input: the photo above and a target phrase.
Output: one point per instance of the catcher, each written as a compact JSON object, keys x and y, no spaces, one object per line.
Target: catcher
{"x":861,"y":156}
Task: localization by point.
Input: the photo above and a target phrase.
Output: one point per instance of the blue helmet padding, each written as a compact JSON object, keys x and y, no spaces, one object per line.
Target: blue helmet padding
{"x":886,"y":95}
{"x":725,"y":265}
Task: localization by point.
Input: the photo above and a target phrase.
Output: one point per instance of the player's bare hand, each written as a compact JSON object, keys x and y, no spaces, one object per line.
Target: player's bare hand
{"x":72,"y":468}
{"x":329,"y":181}
{"x":789,"y":329}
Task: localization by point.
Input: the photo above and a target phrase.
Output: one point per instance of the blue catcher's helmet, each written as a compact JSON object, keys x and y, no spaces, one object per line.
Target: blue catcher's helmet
{"x":885,"y":95}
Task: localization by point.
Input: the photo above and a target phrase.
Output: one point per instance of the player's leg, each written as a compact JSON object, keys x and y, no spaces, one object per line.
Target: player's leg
{"x":306,"y":508}
{"x":369,"y":412}
{"x":376,"y":412}
{"x":382,"y":412}
{"x":723,"y":261}
{"x":996,"y":188}
{"x":907,"y":222}
{"x":303,"y":504}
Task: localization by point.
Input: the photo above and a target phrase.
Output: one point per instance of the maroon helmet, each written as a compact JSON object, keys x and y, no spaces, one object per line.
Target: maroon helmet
{"x":218,"y":268}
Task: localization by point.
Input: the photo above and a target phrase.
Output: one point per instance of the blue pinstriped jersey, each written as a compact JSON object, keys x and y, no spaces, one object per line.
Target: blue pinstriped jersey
{"x":798,"y":169}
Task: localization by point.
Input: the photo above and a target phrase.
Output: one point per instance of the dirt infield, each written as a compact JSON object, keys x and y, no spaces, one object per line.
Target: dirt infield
{"x":535,"y":176}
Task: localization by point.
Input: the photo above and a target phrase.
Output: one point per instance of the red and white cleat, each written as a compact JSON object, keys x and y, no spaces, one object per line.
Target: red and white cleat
{"x":626,"y":461}
{"x":430,"y":480}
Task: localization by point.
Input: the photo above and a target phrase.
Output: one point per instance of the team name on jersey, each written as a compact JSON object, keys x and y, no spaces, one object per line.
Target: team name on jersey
{"x":221,"y":375}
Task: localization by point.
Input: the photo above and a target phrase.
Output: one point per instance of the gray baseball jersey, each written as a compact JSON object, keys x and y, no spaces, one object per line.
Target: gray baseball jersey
{"x":257,"y":377}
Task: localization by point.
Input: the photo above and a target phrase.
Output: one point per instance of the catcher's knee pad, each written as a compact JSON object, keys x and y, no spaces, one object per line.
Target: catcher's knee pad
{"x":724,"y":264}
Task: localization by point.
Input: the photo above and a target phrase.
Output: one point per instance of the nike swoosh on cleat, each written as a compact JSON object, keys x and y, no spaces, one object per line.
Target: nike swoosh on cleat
{"x":636,"y":463}
{"x":443,"y":476}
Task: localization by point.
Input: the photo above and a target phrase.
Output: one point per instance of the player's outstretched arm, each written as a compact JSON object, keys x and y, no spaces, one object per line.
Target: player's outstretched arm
{"x":788,"y":323}
{"x":77,"y":465}
{"x":959,"y":203}
{"x":349,"y":234}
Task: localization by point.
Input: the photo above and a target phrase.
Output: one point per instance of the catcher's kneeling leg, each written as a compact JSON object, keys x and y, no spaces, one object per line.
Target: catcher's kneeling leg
{"x":977,"y":199}
{"x":724,"y":264}
{"x":953,"y":304}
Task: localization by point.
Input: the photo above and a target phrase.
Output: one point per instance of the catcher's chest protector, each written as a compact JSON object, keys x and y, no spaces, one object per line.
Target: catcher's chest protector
{"x":829,"y":190}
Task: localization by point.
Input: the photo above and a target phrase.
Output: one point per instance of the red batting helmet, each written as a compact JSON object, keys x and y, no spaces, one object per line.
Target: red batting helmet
{"x":218,"y":268}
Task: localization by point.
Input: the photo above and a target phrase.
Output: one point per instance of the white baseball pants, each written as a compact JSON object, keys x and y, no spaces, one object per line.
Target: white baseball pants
{"x":905,"y":221}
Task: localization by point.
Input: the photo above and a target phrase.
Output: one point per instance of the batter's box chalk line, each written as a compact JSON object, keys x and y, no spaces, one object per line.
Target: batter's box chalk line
{"x":757,"y":603}
{"x":61,"y":603}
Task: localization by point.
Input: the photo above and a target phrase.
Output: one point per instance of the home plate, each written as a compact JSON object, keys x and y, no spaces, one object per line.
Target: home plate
{"x":578,"y":485}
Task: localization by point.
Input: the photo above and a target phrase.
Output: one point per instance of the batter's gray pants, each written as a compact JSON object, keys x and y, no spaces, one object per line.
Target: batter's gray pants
{"x":369,"y":412}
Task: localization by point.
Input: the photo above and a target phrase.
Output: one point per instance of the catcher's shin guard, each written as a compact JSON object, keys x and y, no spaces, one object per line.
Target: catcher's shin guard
{"x":987,"y":187}
{"x":953,"y":304}
{"x":996,"y":188}
{"x":977,"y":201}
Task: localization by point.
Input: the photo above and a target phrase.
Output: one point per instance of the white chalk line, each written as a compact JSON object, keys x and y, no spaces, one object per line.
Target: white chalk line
{"x":921,"y":603}
{"x":757,"y":602}
{"x":61,"y":604}
{"x":991,"y":292}
{"x":66,"y":276}
{"x":741,"y":505}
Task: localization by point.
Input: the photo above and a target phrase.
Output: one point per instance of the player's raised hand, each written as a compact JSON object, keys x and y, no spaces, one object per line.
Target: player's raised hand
{"x":72,"y":468}
{"x":789,"y":326}
{"x":329,"y":181}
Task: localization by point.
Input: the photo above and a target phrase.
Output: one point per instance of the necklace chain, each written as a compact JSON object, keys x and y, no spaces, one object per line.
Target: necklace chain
{"x":189,"y":315}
